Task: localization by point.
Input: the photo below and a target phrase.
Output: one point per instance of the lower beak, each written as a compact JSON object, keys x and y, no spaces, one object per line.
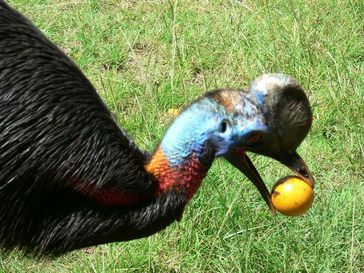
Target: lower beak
{"x":241,"y":161}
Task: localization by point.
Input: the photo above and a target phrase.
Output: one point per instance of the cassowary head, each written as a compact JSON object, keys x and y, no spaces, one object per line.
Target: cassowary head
{"x":272,"y":120}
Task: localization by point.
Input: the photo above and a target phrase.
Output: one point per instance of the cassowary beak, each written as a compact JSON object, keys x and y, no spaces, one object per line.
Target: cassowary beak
{"x":293,"y":161}
{"x":241,"y":161}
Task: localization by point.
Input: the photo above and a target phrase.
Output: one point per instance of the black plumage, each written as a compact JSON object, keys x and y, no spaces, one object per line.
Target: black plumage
{"x":71,"y":178}
{"x":58,"y":141}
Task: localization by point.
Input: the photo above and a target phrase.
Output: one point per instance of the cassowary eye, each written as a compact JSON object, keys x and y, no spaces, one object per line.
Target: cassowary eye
{"x":254,"y":138}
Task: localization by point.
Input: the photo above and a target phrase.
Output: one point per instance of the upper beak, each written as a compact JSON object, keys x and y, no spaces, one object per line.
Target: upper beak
{"x":293,"y":161}
{"x":241,"y":161}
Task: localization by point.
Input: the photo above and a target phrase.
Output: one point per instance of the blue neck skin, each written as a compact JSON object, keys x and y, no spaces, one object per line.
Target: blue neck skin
{"x":190,"y":130}
{"x":196,"y":131}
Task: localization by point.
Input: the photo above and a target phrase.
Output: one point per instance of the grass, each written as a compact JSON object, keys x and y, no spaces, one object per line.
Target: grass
{"x":145,"y":57}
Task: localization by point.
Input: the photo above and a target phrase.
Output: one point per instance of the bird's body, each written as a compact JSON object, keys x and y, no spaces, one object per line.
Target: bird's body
{"x":61,"y":150}
{"x":71,"y":178}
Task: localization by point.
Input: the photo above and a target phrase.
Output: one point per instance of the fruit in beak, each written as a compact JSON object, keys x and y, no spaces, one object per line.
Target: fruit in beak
{"x":292,"y":196}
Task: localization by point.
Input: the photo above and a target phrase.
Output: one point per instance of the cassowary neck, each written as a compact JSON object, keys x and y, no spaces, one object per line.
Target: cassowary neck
{"x":186,"y":177}
{"x":183,"y":157}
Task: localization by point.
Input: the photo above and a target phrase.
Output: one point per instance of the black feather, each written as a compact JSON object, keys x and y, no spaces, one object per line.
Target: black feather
{"x":59,"y":146}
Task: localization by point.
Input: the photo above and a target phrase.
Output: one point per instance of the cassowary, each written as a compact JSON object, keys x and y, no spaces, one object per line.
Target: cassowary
{"x":71,"y":178}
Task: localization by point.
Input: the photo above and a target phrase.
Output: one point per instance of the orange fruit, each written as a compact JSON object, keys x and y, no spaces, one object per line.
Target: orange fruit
{"x":292,"y":196}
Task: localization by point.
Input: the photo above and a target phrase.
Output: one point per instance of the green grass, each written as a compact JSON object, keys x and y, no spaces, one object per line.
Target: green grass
{"x":155,"y":55}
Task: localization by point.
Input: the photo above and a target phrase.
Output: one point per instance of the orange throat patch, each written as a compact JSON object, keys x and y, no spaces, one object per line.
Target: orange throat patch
{"x":187,"y":177}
